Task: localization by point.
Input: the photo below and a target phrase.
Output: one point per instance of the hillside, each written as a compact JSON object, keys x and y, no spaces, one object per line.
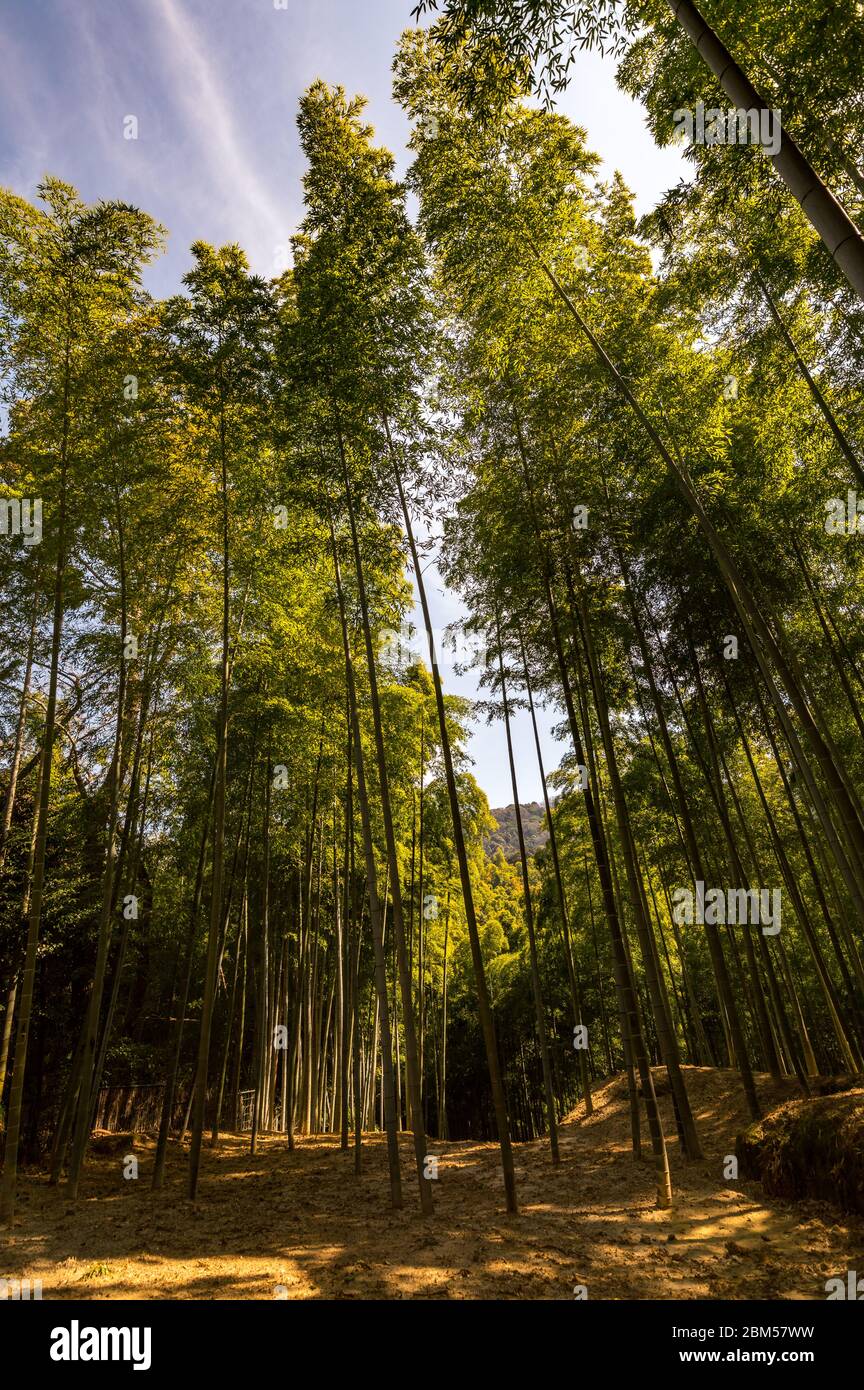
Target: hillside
{"x":506,"y":837}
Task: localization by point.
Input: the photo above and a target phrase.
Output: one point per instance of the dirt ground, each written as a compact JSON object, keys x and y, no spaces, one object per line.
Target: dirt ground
{"x":301,"y":1225}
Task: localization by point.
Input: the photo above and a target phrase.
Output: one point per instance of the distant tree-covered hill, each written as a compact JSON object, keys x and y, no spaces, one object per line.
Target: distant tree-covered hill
{"x":507,"y":836}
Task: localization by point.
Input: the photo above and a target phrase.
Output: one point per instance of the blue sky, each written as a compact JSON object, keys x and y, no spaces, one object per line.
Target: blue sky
{"x":213,"y":86}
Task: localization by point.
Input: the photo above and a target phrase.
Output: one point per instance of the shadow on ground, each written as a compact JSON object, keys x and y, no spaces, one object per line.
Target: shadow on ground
{"x":301,"y":1225}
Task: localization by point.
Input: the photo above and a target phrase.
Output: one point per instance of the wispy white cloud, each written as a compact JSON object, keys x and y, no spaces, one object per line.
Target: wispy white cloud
{"x":23,"y":111}
{"x":199,"y":88}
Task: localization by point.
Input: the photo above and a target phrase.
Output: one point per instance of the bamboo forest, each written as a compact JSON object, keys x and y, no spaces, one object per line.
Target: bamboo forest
{"x":432,"y":665}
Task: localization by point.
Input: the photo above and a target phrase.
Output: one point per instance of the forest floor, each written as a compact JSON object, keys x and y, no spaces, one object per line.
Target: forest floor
{"x":301,"y":1225}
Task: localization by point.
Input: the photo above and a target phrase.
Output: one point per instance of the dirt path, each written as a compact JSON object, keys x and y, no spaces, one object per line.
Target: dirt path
{"x":301,"y":1225}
